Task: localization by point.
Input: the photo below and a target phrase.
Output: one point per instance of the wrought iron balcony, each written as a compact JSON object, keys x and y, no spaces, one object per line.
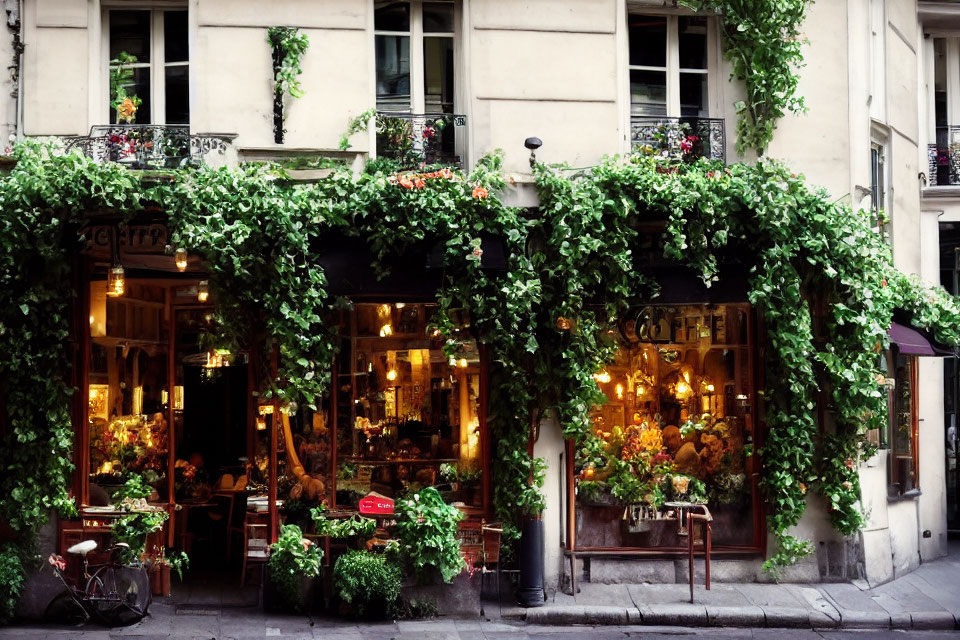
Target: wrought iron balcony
{"x":419,"y":139}
{"x":681,"y":139}
{"x":944,"y":158}
{"x":147,"y":146}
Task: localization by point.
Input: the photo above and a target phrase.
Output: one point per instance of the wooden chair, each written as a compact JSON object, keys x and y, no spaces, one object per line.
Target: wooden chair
{"x":489,"y":560}
{"x":236,"y":518}
{"x":256,"y":549}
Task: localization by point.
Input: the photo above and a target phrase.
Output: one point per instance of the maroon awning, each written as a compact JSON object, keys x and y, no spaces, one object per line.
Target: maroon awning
{"x":912,"y":342}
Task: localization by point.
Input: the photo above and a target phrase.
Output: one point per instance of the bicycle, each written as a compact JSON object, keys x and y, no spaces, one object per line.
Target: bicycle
{"x":115,"y":593}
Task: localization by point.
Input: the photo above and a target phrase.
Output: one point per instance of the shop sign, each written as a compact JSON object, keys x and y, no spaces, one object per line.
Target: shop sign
{"x":132,"y":239}
{"x":376,"y":505}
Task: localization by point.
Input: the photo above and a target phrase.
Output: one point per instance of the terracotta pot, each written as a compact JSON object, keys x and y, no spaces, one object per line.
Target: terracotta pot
{"x":160,"y":580}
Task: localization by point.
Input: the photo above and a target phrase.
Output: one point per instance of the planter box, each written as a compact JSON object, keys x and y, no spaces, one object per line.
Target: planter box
{"x":310,"y":590}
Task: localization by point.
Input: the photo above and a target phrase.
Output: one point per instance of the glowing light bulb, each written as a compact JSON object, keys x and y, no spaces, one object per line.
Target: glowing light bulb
{"x":116,"y":282}
{"x":180,"y":259}
{"x":619,"y":390}
{"x":710,"y":388}
{"x":392,"y":375}
{"x":462,"y":363}
{"x":261,"y":424}
{"x":682,"y":388}
{"x":400,"y":305}
{"x":386,"y":330}
{"x":203,"y":291}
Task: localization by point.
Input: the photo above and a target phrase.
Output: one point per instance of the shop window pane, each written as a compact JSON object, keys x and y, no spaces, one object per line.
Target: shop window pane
{"x":391,"y":16}
{"x":140,"y":87}
{"x":901,"y":437}
{"x":406,"y":415}
{"x":175,"y":42}
{"x":178,"y":94}
{"x":674,"y":428}
{"x":693,"y":42}
{"x":437,"y":17}
{"x":130,"y":32}
{"x":648,"y":93}
{"x":438,"y":74}
{"x":693,"y":95}
{"x":648,"y":41}
{"x":393,"y":73}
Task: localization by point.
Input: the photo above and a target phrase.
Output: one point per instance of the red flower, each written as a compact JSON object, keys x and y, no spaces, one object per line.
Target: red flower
{"x":849,"y":463}
{"x":57,"y":561}
{"x":429,"y":132}
{"x":406,"y":182}
{"x":687,"y":143}
{"x":883,"y":283}
{"x":479,"y":192}
{"x":446,"y":173}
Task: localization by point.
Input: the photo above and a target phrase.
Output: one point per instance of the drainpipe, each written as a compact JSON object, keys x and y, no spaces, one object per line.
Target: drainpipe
{"x":14,"y":9}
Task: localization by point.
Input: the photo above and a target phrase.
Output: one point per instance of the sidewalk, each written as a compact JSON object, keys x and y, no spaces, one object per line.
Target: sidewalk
{"x":928,"y":598}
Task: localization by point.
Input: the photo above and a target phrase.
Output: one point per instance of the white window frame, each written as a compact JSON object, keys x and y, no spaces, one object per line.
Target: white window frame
{"x":417,"y":36}
{"x":158,"y":87}
{"x":879,"y":141}
{"x":673,"y":68}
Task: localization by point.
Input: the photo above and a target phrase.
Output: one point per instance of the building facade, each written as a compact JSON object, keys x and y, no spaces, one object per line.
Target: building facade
{"x":589,"y":78}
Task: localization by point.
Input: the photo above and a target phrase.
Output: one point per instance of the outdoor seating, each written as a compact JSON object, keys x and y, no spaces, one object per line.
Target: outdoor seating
{"x":256,"y":549}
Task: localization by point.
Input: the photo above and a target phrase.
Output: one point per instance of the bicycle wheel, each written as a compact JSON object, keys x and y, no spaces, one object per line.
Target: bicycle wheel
{"x":119,"y":594}
{"x":65,"y":609}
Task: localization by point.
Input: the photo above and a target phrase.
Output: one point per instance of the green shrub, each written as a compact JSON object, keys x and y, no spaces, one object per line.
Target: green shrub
{"x":370,"y":582}
{"x":427,"y":531}
{"x":11,"y":581}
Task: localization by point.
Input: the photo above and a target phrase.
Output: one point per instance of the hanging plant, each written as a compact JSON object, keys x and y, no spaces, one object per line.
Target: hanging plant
{"x":288,"y":46}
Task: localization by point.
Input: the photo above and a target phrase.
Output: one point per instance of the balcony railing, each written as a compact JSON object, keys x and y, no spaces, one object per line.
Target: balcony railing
{"x":419,"y":139}
{"x":682,"y":139}
{"x":147,"y":146}
{"x":944,"y":158}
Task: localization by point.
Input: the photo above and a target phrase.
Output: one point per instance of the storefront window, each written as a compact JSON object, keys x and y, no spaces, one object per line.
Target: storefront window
{"x":407,"y":414}
{"x":677,"y":427}
{"x":128,"y":392}
{"x":902,"y":436}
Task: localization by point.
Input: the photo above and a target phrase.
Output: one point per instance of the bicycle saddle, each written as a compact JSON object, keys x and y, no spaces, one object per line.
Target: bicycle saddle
{"x":83,"y":548}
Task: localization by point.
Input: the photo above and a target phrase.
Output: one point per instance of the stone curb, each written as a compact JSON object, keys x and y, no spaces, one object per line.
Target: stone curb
{"x":750,"y":616}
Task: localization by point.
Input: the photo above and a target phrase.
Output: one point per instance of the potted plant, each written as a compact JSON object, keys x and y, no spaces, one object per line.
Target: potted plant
{"x":161,"y":562}
{"x":426,"y":530}
{"x":292,"y":571}
{"x":356,"y":529}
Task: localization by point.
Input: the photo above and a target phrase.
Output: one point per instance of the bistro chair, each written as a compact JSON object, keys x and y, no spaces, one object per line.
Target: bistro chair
{"x":256,"y":549}
{"x":489,"y":560}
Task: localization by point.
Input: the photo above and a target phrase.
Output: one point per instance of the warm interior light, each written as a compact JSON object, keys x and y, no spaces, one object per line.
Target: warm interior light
{"x":619,"y":390}
{"x":180,"y":259}
{"x":107,"y":467}
{"x":400,"y":305}
{"x":386,"y":330}
{"x":462,"y":363}
{"x":602,"y":377}
{"x":710,"y":388}
{"x":164,"y":396}
{"x":682,"y":388}
{"x":452,"y":362}
{"x":116,"y":283}
{"x":203,"y":291}
{"x":392,"y":375}
{"x":266,"y":409}
{"x":261,"y":423}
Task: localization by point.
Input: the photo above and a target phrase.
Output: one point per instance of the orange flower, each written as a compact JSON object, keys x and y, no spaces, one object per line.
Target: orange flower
{"x":479,"y":192}
{"x":803,"y":488}
{"x":406,"y":182}
{"x":126,"y":110}
{"x":419,"y":183}
{"x":446,"y":173}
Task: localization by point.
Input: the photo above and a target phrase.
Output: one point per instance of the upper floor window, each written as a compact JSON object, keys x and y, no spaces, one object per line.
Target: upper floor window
{"x":669,"y":65}
{"x":157,"y":39}
{"x":415,"y":56}
{"x":879,"y":209}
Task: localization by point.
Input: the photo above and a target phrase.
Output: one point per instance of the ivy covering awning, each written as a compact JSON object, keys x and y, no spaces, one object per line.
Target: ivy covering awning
{"x":911,"y":342}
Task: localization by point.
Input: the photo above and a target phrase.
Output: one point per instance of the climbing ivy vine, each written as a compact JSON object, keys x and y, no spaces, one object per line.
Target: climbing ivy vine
{"x":821,"y":280}
{"x":288,"y":46}
{"x":762,"y":40}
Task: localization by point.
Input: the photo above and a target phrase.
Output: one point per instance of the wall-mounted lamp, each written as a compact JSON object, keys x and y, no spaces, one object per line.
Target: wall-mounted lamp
{"x":203,"y":291}
{"x":180,"y":259}
{"x":533,"y":144}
